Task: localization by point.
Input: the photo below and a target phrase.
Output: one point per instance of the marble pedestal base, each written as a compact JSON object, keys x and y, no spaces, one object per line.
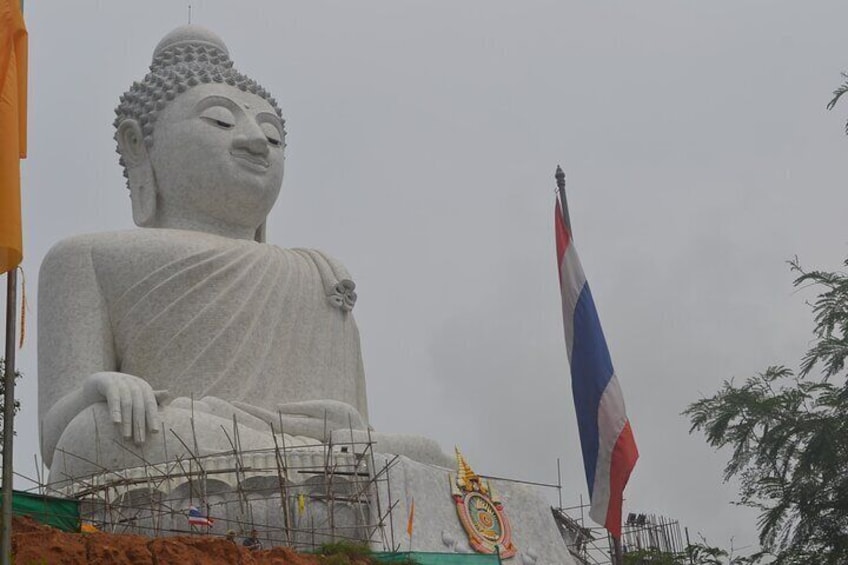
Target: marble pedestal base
{"x":312,"y":497}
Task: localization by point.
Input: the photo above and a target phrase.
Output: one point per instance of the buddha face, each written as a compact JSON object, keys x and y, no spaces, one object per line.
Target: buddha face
{"x":217,"y":157}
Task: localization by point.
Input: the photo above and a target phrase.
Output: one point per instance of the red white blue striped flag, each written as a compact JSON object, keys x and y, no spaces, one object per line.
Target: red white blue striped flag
{"x":195,"y":518}
{"x":609,"y":450}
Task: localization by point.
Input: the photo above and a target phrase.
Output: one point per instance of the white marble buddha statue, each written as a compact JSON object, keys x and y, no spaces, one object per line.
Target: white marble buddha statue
{"x":189,"y":317}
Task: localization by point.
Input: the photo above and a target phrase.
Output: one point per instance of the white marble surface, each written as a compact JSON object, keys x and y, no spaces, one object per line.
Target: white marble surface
{"x":190,"y":307}
{"x":252,"y":499}
{"x":190,"y":311}
{"x":175,"y":339}
{"x":250,"y":328}
{"x":437,"y":528}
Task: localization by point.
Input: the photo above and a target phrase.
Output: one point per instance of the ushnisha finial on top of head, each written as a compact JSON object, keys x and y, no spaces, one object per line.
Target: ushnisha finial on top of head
{"x":190,"y":35}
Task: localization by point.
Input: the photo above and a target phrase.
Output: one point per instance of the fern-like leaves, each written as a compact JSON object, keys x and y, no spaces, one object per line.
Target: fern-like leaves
{"x":837,"y":94}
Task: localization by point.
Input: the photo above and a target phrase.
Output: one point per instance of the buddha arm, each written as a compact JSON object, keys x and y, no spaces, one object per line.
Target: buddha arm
{"x":74,"y":336}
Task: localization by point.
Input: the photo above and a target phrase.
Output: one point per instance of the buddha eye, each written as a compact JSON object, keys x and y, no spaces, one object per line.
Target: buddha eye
{"x":272,"y":134}
{"x":219,"y":116}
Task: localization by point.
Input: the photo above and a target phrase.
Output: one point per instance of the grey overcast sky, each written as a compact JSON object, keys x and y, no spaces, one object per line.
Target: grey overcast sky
{"x":423,"y":138}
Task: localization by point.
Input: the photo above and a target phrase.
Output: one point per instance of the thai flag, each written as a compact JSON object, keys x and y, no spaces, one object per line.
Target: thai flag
{"x":195,"y":518}
{"x":609,"y":450}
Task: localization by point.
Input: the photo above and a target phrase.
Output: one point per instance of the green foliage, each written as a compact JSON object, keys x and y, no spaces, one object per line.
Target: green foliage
{"x":352,"y":553}
{"x":703,"y":554}
{"x":652,"y":557}
{"x":336,"y":559}
{"x":789,"y":436}
{"x":695,"y":554}
{"x":837,"y":94}
{"x":349,"y":548}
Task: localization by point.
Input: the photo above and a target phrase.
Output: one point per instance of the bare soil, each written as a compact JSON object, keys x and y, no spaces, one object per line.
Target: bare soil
{"x":37,"y":544}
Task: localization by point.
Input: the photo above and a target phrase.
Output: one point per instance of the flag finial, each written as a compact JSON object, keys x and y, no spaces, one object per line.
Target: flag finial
{"x":560,"y":180}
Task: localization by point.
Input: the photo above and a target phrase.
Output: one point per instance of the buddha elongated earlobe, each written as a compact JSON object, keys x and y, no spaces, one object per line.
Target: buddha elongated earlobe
{"x":142,"y":194}
{"x":142,"y":181}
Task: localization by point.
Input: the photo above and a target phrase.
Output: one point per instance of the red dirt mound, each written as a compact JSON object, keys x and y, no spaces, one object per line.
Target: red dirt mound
{"x":35,"y":544}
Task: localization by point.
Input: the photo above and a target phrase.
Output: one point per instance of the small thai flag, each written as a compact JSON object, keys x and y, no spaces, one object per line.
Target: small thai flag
{"x":195,"y":518}
{"x":609,"y":450}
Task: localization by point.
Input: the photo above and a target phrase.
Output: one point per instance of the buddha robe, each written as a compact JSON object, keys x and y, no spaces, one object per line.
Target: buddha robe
{"x":201,"y":316}
{"x":241,"y":321}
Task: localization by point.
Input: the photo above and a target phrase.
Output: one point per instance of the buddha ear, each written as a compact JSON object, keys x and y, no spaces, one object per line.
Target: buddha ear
{"x":139,"y":172}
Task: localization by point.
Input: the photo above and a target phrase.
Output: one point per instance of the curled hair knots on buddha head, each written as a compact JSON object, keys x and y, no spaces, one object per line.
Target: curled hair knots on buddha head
{"x":186,"y":57}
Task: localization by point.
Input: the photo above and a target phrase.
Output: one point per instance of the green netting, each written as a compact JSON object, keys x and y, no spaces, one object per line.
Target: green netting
{"x":437,"y":558}
{"x":60,"y":513}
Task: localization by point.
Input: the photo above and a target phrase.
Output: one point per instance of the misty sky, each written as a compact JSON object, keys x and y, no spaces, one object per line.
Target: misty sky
{"x":422,"y":142}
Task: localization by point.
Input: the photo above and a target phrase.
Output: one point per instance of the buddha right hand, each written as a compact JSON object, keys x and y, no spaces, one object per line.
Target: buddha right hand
{"x":131,"y":402}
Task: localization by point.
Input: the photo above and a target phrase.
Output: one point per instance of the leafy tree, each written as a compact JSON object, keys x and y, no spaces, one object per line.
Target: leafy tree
{"x":695,"y":554}
{"x":837,"y":94}
{"x":789,"y":436}
{"x":652,"y":557}
{"x":704,"y":554}
{"x":3,"y":395}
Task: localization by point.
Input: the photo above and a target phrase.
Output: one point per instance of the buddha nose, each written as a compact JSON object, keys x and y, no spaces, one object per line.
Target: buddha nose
{"x":252,"y":141}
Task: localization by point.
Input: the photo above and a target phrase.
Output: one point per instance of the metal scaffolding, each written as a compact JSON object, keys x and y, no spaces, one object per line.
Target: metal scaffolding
{"x":297,"y":496}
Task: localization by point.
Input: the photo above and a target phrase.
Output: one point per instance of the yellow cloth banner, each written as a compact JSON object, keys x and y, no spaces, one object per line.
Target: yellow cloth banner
{"x":13,"y":96}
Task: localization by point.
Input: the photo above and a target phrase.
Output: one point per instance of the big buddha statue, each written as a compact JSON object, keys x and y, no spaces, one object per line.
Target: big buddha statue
{"x":191,"y":322}
{"x":190,"y":335}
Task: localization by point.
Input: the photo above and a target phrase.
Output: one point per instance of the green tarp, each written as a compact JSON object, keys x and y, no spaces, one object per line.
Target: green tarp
{"x":60,"y":513}
{"x":437,"y":558}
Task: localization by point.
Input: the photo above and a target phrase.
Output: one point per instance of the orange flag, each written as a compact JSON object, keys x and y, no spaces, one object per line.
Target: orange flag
{"x":411,"y":518}
{"x":13,"y":96}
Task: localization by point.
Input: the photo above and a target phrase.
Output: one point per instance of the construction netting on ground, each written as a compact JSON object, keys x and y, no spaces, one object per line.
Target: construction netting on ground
{"x":59,"y":513}
{"x":420,"y":558}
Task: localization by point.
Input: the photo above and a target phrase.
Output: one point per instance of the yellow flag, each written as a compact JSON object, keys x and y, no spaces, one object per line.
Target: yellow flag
{"x":13,"y":95}
{"x":301,"y":503}
{"x":411,"y":519}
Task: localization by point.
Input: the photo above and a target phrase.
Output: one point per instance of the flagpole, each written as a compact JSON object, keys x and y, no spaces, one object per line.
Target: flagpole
{"x":8,"y":412}
{"x":8,"y":416}
{"x":560,"y":180}
{"x":617,"y":557}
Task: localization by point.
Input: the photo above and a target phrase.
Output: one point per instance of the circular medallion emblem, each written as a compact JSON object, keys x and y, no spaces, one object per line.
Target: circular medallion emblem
{"x":484,"y":517}
{"x":480,"y":512}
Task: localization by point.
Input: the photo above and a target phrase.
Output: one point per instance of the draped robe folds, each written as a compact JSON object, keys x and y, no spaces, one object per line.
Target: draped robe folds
{"x":202,"y":316}
{"x":242,"y":321}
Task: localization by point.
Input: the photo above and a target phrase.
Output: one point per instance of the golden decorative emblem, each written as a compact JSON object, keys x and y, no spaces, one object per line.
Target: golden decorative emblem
{"x":480,"y":512}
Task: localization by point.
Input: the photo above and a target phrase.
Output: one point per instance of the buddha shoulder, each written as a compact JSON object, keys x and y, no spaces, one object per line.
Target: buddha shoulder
{"x":137,"y":249}
{"x":111,"y":263}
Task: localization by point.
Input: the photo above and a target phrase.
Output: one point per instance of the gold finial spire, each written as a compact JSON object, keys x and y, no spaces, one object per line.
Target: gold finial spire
{"x":464,"y":471}
{"x":466,"y":478}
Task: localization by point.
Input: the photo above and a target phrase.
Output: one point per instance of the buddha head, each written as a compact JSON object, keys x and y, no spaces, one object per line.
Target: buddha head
{"x":201,"y":144}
